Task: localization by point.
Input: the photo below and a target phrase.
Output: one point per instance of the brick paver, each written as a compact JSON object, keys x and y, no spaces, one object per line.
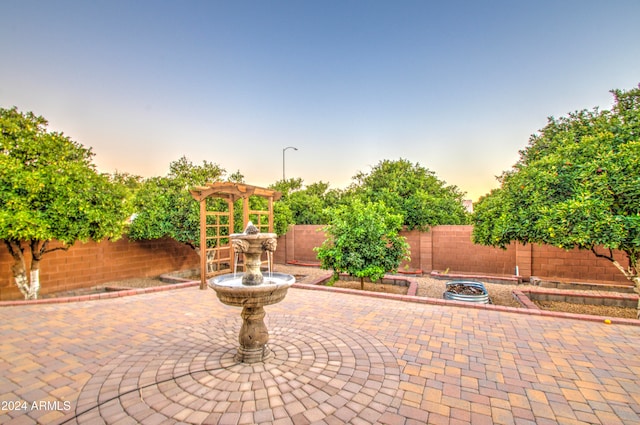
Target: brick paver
{"x":167,"y":357}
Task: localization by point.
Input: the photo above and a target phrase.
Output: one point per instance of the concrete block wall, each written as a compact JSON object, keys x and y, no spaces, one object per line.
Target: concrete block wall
{"x":576,"y":264}
{"x":298,"y":244}
{"x":524,"y":260}
{"x":451,"y":247}
{"x":414,"y":241}
{"x":454,"y":250}
{"x":91,"y":264}
{"x":426,"y":251}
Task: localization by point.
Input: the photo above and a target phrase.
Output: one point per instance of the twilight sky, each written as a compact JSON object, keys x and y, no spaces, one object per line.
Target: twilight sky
{"x":458,"y":86}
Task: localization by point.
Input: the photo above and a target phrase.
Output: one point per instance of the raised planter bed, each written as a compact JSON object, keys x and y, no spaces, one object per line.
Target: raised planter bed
{"x":582,"y":286}
{"x":410,"y":284}
{"x":182,"y":276}
{"x":84,"y":291}
{"x":303,"y":263}
{"x":605,"y":299}
{"x":615,"y":307}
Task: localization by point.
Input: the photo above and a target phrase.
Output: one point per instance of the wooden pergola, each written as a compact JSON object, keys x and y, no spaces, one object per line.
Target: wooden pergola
{"x":216,"y":226}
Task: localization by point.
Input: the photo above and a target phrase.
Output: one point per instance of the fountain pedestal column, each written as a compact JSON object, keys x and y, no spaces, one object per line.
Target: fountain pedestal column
{"x":251,"y":249}
{"x":253,"y":336}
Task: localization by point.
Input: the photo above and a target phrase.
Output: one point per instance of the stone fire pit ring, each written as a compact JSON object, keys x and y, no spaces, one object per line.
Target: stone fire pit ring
{"x":467,"y":290}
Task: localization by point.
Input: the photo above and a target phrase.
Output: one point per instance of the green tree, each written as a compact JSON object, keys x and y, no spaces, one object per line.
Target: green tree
{"x":165,"y":208}
{"x":412,"y":191}
{"x":50,"y":190}
{"x":576,"y":185}
{"x":307,"y":204}
{"x":282,"y":218}
{"x":363,"y":241}
{"x":288,"y":186}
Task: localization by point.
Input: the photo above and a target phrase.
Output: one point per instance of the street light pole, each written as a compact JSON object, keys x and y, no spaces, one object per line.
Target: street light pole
{"x":283,"y":151}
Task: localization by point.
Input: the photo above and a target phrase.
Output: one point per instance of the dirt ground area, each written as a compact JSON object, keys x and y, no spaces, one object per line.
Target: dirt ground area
{"x":373,"y":287}
{"x":596,"y":310}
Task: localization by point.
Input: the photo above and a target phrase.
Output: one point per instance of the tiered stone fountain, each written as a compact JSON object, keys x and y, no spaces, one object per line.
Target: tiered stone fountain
{"x":252,"y":291}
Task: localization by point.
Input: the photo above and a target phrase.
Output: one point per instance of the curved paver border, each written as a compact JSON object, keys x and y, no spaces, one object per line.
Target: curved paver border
{"x":322,"y":373}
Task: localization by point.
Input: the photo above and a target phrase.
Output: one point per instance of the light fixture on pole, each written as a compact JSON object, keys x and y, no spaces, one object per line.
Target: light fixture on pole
{"x":283,"y":150}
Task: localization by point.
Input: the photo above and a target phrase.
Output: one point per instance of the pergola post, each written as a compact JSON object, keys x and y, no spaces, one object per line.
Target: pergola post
{"x":203,"y":243}
{"x":245,"y":211}
{"x":232,"y":259}
{"x":270,"y":214}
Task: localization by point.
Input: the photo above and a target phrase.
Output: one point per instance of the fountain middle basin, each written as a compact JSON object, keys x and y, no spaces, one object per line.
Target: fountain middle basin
{"x":231,"y":291}
{"x":251,"y":290}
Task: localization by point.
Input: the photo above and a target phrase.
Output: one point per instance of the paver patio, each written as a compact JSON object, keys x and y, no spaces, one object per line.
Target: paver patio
{"x":167,"y":357}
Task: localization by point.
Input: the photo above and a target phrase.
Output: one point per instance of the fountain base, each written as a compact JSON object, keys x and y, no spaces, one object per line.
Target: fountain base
{"x":257,"y":355}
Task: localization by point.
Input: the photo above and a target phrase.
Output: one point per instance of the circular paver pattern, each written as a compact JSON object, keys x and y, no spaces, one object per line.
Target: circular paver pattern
{"x":319,"y":373}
